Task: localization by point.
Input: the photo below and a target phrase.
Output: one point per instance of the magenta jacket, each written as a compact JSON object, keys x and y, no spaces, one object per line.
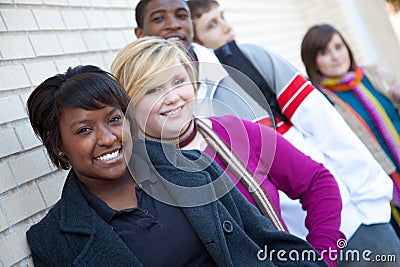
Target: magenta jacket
{"x":283,"y":167}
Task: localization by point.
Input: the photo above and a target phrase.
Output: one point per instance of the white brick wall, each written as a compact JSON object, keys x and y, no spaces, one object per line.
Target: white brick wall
{"x":39,"y":38}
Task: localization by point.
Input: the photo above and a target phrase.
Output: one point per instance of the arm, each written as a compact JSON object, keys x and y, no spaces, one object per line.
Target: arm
{"x":301,"y":178}
{"x":276,"y":161}
{"x":260,"y":229}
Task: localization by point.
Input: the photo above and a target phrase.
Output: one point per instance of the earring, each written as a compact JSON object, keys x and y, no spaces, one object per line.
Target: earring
{"x":60,"y":153}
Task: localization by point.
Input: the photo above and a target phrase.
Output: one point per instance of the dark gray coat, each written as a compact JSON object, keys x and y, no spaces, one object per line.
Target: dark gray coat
{"x":232,"y":230}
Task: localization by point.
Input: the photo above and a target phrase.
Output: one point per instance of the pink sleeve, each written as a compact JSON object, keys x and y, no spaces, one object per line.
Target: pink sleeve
{"x":284,"y":167}
{"x":302,"y":178}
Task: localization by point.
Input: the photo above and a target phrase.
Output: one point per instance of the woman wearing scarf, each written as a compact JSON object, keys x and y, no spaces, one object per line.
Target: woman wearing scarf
{"x":367,"y":97}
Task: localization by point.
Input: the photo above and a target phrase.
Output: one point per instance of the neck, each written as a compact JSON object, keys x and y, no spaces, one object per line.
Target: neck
{"x":117,"y":194}
{"x":182,"y":140}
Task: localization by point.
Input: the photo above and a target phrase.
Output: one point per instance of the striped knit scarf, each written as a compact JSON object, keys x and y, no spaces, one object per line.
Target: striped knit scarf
{"x":353,"y":81}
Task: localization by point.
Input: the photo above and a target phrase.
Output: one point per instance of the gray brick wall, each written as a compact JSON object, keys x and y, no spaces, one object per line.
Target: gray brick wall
{"x":39,"y":38}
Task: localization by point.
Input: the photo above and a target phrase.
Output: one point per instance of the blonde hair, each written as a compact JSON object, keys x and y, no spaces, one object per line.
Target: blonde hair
{"x":137,"y":63}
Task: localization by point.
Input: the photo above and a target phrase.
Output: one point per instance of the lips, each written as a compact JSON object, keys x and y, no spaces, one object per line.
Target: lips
{"x":172,"y":112}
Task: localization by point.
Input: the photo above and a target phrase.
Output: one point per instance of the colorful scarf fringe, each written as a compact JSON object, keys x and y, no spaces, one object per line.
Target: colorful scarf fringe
{"x":353,"y":81}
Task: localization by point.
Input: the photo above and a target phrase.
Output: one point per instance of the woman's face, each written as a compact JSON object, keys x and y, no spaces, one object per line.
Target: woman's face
{"x":212,"y":29}
{"x":167,"y":106}
{"x":92,"y":142}
{"x":334,"y":59}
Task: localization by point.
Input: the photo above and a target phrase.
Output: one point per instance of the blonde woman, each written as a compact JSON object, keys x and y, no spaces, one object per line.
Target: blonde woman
{"x":160,"y":79}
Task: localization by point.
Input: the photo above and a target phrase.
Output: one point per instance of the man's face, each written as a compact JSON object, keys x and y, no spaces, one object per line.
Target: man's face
{"x":212,"y":30}
{"x":169,"y":19}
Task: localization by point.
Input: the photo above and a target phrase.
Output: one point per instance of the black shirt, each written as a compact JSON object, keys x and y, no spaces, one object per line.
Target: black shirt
{"x":158,"y":234}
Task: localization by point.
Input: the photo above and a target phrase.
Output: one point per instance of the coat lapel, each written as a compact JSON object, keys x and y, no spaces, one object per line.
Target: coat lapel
{"x":93,"y":240}
{"x":190,"y":188}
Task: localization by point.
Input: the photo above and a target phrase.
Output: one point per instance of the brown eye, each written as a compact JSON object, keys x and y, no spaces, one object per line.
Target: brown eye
{"x":83,"y":130}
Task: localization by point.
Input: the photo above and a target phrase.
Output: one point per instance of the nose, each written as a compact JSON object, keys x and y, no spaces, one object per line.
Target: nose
{"x":227,"y":27}
{"x":171,"y":96}
{"x":335,"y":54}
{"x":105,"y":136}
{"x":173,"y":23}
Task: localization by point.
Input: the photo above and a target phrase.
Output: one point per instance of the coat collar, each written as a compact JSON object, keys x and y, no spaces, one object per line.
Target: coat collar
{"x":195,"y":182}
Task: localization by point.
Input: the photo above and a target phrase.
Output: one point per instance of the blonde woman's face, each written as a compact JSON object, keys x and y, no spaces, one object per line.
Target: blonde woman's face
{"x":167,"y":106}
{"x":334,"y":60}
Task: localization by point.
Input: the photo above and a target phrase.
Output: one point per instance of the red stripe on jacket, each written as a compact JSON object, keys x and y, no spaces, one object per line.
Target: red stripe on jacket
{"x":293,"y":95}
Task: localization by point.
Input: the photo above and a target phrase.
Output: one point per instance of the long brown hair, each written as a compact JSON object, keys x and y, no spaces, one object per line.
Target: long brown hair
{"x":316,"y":39}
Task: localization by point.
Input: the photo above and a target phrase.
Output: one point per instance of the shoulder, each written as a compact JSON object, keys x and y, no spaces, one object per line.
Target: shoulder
{"x":204,"y":54}
{"x":235,"y":121}
{"x":254,"y":49}
{"x":48,"y":225}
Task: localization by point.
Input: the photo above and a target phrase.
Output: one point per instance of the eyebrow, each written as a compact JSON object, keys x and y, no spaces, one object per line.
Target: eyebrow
{"x":86,"y":121}
{"x":164,"y":11}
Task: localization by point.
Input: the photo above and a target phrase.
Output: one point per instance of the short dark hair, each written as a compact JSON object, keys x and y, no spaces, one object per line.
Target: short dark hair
{"x":86,"y":87}
{"x":199,"y":7}
{"x":139,"y":12}
{"x":316,"y":39}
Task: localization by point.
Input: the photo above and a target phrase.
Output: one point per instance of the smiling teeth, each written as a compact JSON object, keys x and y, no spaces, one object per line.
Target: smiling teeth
{"x":109,"y":156}
{"x":173,"y":111}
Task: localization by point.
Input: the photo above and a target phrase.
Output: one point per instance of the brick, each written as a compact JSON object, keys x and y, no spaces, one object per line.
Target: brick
{"x":45,"y":44}
{"x":95,"y":60}
{"x":84,"y":3}
{"x":14,"y":246}
{"x":48,"y":19}
{"x":11,"y":109}
{"x":64,"y":64}
{"x":51,"y":188}
{"x":96,"y":18}
{"x":95,"y":41}
{"x":19,"y":19}
{"x":16,"y":47}
{"x":24,"y":98}
{"x":129,"y":18}
{"x":56,"y":2}
{"x":7,"y":180}
{"x":27,"y":137}
{"x":109,"y":58}
{"x":13,"y":77}
{"x":2,"y":26}
{"x":33,"y":2}
{"x":120,"y":3}
{"x":22,"y":204}
{"x":29,"y":166}
{"x":116,"y":19}
{"x":74,"y":19}
{"x":115,"y":39}
{"x":3,"y":222}
{"x":40,"y":71}
{"x":129,"y":36}
{"x":8,"y":142}
{"x":72,"y":43}
{"x":100,"y":3}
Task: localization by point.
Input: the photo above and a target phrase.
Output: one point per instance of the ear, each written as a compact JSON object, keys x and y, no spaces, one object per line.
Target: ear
{"x":139,"y":32}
